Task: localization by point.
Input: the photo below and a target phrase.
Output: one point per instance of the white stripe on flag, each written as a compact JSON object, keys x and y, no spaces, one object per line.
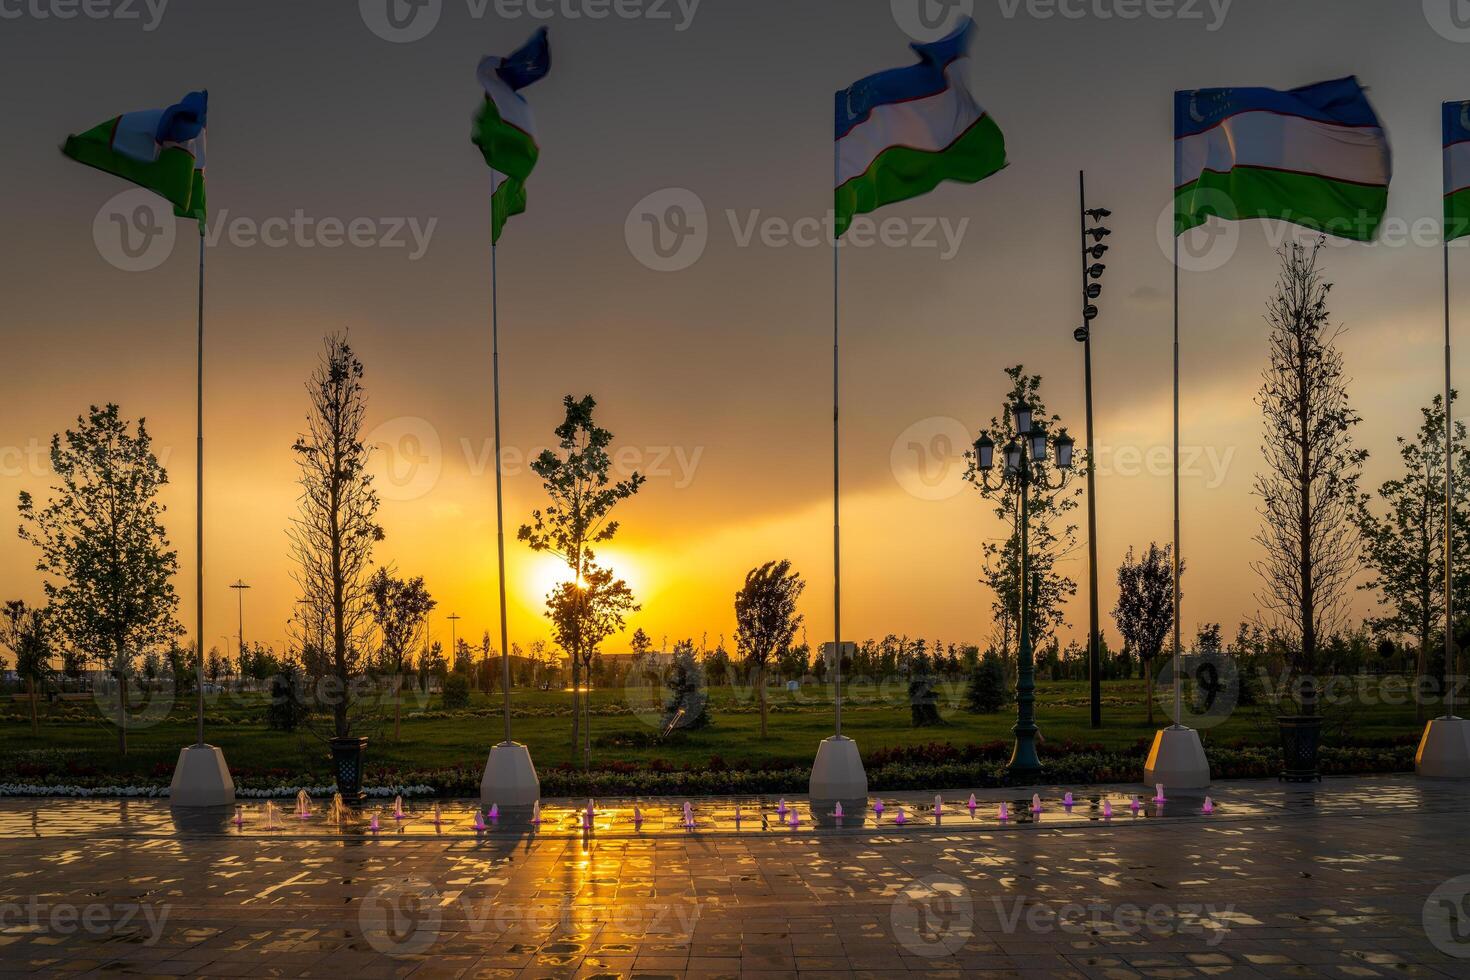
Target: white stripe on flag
{"x":930,"y":123}
{"x":1267,"y":139}
{"x":1456,"y":167}
{"x":513,"y":109}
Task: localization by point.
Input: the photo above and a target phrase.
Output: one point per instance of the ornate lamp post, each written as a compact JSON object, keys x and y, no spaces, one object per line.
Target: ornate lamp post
{"x":1025,"y":466}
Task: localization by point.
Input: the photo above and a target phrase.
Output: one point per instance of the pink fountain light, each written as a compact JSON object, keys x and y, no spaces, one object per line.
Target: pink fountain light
{"x":1107,"y":809}
{"x":1209,"y":806}
{"x":878,"y":809}
{"x":1004,"y":813}
{"x":837,"y":810}
{"x":970,"y":805}
{"x":637,"y":816}
{"x":1135,"y":805}
{"x":1159,"y":793}
{"x":494,"y":812}
{"x":1067,"y":800}
{"x":781,"y":807}
{"x":793,"y":818}
{"x":479,"y":821}
{"x":689,"y":815}
{"x":938,"y":809}
{"x":536,"y":813}
{"x":373,"y":824}
{"x":1035,"y":802}
{"x":900,"y":819}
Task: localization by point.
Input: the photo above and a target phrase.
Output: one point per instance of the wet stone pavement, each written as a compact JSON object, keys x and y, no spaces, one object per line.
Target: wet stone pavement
{"x":1349,"y":878}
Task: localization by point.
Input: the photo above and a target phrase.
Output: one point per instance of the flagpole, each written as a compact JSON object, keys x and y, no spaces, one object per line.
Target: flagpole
{"x":1178,"y":713}
{"x":836,"y":523}
{"x":499,"y":477}
{"x":199,"y":491}
{"x":1449,"y":498}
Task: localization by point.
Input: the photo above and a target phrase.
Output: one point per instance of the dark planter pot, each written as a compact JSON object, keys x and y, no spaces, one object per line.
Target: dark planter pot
{"x":1301,"y":740}
{"x":347,"y":761}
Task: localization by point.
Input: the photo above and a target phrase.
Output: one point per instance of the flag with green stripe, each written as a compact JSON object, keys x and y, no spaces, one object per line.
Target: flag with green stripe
{"x":504,"y":128}
{"x":1456,"y":125}
{"x":160,"y":149}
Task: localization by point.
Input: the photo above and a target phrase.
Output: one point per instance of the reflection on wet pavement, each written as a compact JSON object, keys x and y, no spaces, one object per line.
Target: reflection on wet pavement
{"x":1332,"y":880}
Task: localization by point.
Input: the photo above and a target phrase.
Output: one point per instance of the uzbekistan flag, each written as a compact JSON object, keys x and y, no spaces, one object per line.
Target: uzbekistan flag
{"x":1315,"y":156}
{"x":160,"y":149}
{"x":504,"y":129}
{"x":1456,"y":116}
{"x":901,"y":132}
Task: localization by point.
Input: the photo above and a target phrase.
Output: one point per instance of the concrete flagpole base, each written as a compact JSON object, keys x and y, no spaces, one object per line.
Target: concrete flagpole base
{"x":510,"y":780}
{"x":201,"y":778}
{"x":1444,"y":749}
{"x":838,"y":777}
{"x":1177,"y":760}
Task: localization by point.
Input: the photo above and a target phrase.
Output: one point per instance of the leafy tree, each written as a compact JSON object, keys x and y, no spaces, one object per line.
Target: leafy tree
{"x":688,"y":705}
{"x":400,"y":608}
{"x":1207,"y":638}
{"x":766,"y":620}
{"x":335,"y":529}
{"x":102,"y":546}
{"x":1308,"y":486}
{"x":584,"y":614}
{"x":285,"y":710}
{"x":27,"y":632}
{"x":988,"y":690}
{"x":1051,"y":536}
{"x":456,"y":691}
{"x":583,"y":496}
{"x":1404,"y":548}
{"x":1145,"y":610}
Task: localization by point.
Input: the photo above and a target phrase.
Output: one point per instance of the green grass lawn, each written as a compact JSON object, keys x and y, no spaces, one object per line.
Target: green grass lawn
{"x":797,"y":723}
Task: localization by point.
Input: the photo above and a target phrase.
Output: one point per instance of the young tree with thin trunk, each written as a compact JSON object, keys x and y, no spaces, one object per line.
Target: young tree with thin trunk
{"x":1145,"y":610}
{"x":335,"y":529}
{"x":583,"y":614}
{"x":1308,"y":486}
{"x":400,"y":607}
{"x":766,"y":620}
{"x":1404,"y":548}
{"x":26,"y":631}
{"x":103,"y":549}
{"x":583,"y":495}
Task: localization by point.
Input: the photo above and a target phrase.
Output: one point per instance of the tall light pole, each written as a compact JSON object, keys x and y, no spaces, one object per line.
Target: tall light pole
{"x":453,"y":643}
{"x":1091,"y":289}
{"x":1025,"y":466}
{"x":240,"y":588}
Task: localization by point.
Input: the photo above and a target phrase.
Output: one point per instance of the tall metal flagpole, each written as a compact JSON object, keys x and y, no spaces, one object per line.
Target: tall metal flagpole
{"x":1178,"y":691}
{"x":199,"y":492}
{"x":499,"y":477}
{"x":1449,"y":498}
{"x":836,"y":523}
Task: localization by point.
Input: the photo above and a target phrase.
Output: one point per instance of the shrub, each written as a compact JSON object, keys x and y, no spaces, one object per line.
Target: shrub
{"x":988,"y":691}
{"x":688,"y":703}
{"x":456,"y":691}
{"x":285,"y":710}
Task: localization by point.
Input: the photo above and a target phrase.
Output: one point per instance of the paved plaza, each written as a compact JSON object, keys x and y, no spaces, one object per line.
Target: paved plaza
{"x":1350,"y":878}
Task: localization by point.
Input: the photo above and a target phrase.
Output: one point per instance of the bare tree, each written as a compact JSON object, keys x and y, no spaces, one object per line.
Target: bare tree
{"x":333,"y":534}
{"x":766,"y":620}
{"x":1308,"y":487}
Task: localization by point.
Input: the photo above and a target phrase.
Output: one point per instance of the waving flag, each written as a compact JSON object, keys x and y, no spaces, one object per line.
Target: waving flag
{"x":504,"y":129}
{"x":1315,"y":156}
{"x":1456,"y":125}
{"x":160,"y":149}
{"x":902,"y":132}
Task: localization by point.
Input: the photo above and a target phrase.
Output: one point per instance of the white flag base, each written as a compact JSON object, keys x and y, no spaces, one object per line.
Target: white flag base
{"x":510,"y":780}
{"x":201,"y":778}
{"x":1177,"y":760}
{"x":1444,"y":749}
{"x":838,"y":777}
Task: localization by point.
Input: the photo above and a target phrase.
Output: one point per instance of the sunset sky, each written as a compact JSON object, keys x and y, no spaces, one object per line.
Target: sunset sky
{"x":716,"y":379}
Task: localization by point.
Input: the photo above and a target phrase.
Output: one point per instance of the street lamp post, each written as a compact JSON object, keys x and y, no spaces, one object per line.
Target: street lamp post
{"x":1091,"y":289}
{"x":453,"y":642}
{"x":1025,"y":466}
{"x":240,"y":588}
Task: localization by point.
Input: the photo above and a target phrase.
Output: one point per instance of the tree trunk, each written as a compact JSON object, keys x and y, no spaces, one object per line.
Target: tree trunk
{"x":760,"y":690}
{"x":587,"y":720}
{"x":1309,"y":611}
{"x":576,"y":704}
{"x":122,"y":708}
{"x":1148,"y":674}
{"x":397,"y":703}
{"x":35,"y":720}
